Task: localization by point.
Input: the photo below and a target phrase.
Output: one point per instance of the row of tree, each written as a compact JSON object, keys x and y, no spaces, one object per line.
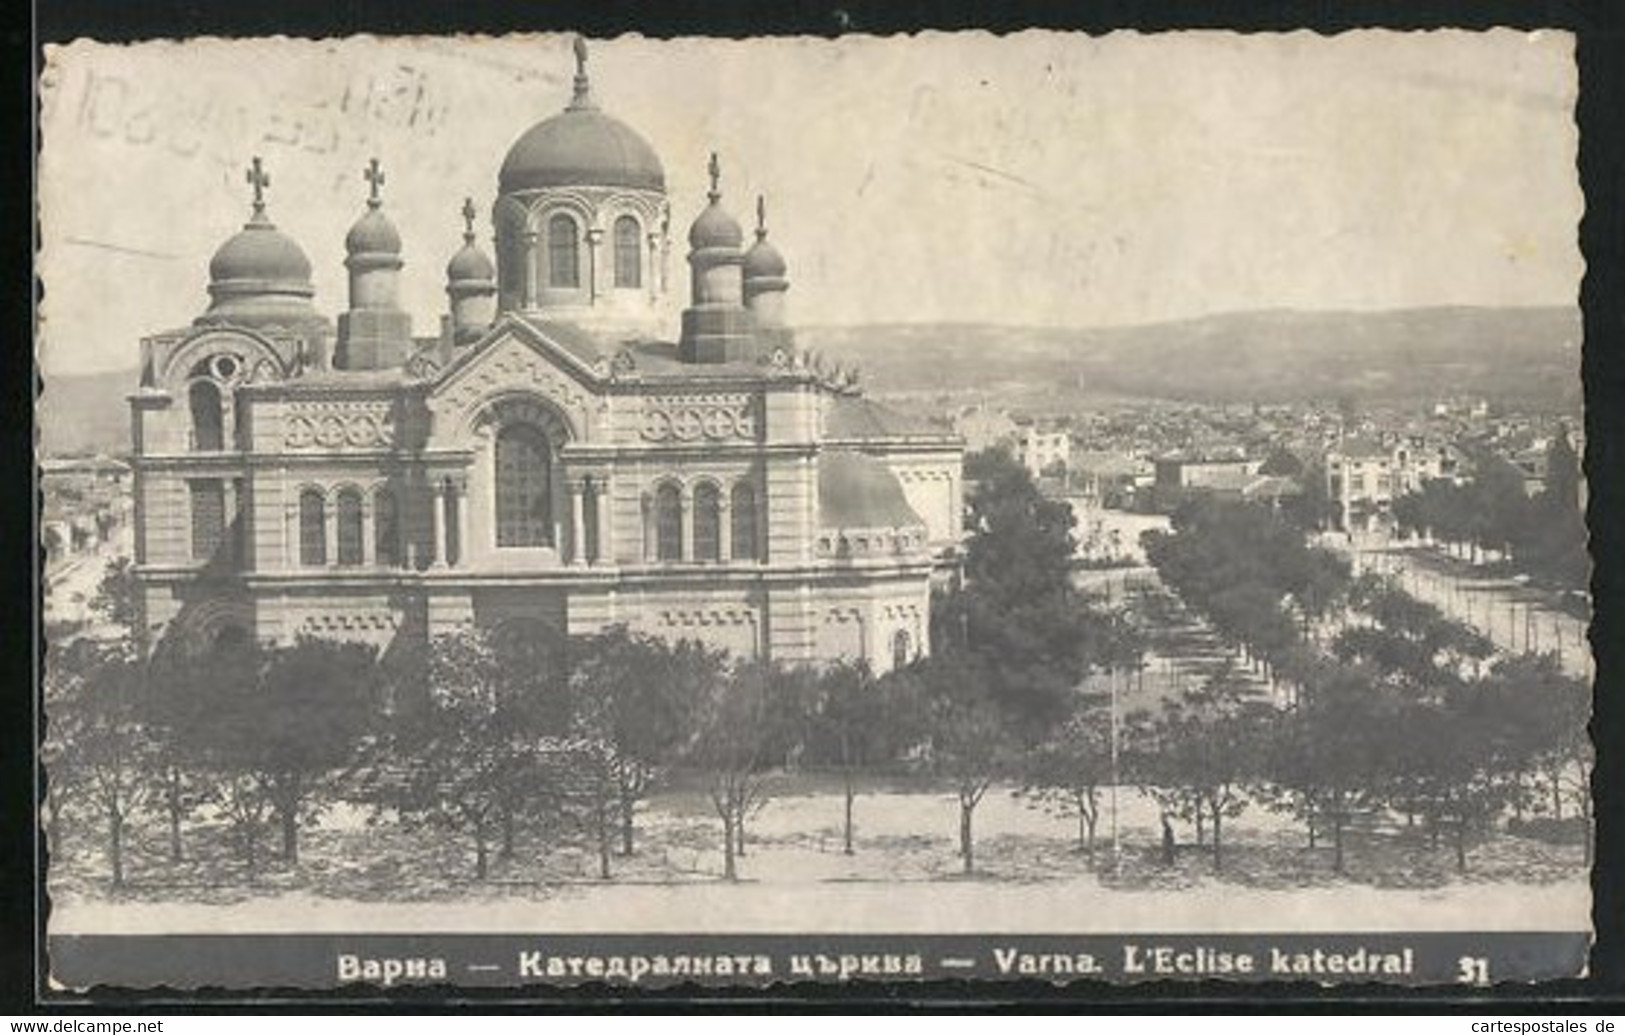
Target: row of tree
{"x":1394,"y":715}
{"x":1543,"y":534}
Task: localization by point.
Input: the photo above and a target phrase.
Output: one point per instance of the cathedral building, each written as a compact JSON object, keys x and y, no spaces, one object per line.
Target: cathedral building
{"x":551,"y":455}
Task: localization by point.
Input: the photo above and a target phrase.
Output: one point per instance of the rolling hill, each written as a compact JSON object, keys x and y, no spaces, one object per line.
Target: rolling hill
{"x":1526,"y":357}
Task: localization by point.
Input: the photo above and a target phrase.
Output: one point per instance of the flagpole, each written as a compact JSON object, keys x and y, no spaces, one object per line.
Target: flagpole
{"x":1116,"y":845}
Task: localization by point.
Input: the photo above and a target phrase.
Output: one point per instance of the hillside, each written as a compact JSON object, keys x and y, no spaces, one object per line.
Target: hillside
{"x":1511,"y":356}
{"x":85,"y":413}
{"x":1515,"y":357}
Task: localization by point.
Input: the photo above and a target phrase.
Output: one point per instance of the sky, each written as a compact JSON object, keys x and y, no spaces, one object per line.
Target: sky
{"x":1039,"y":178}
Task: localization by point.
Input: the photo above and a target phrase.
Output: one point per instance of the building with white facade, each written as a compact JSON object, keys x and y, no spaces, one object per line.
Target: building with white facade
{"x":554,"y":455}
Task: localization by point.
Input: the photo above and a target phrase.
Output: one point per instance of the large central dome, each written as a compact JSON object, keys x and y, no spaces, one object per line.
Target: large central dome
{"x":581,"y":147}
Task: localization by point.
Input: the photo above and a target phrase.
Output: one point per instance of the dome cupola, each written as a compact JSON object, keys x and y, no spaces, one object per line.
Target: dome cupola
{"x":580,"y":234}
{"x":763,"y":260}
{"x":715,"y":228}
{"x":581,"y":147}
{"x":260,"y":277}
{"x":470,"y":263}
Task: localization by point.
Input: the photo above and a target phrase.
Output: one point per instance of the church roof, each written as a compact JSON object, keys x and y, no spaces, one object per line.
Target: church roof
{"x":858,"y":491}
{"x":1361,"y":447}
{"x":579,"y":342}
{"x":855,"y":418}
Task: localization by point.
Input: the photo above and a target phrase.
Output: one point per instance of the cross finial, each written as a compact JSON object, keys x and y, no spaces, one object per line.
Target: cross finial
{"x":259,"y":179}
{"x":582,"y":97}
{"x":761,"y":217}
{"x":374,"y":175}
{"x":715,"y":170}
{"x":468,"y":220}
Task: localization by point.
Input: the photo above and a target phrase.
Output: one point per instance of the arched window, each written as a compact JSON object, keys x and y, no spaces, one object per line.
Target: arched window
{"x":312,"y":529}
{"x":668,"y":523}
{"x":351,"y":530}
{"x":208,"y":426}
{"x":707,"y":523}
{"x":386,"y":529}
{"x":563,"y":253}
{"x":628,"y":253}
{"x":743,"y":506}
{"x":524,"y":474}
{"x":902,"y":649}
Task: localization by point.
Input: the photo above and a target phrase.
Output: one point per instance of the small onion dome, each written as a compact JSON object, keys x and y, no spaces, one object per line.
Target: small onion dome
{"x":763,"y":261}
{"x":715,"y":228}
{"x":373,"y":233}
{"x":581,"y":147}
{"x":373,"y":236}
{"x":858,"y":491}
{"x":470,"y":264}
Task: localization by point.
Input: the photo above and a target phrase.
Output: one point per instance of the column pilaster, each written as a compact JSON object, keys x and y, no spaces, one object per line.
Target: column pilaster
{"x":457,"y":538}
{"x":725,"y":527}
{"x":437,"y":521}
{"x":606,"y":525}
{"x":578,"y":523}
{"x":330,"y":532}
{"x":685,"y":525}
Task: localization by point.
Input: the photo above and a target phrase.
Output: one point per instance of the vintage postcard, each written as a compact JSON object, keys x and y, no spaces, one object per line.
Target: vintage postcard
{"x":544,"y":510}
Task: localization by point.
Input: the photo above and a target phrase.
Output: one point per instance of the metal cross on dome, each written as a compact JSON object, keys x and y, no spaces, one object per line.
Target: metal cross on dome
{"x":259,"y":179}
{"x":468,"y":220}
{"x":715,"y":169}
{"x":374,"y":175}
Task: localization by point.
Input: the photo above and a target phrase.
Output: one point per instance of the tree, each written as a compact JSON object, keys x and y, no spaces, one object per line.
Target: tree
{"x":96,"y":734}
{"x":970,"y":737}
{"x":1469,"y":784}
{"x":1067,"y":771}
{"x":475,"y":749}
{"x":635,"y":699}
{"x":1032,"y":636}
{"x":1324,"y":756}
{"x":281,"y":724}
{"x":1542,"y":714}
{"x":117,"y":598}
{"x":856,"y":721}
{"x":738,"y":723}
{"x":1204,"y":751}
{"x":177,"y":700}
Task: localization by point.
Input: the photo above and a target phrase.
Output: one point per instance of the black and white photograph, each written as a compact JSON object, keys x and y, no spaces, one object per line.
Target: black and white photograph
{"x":542,"y":510}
